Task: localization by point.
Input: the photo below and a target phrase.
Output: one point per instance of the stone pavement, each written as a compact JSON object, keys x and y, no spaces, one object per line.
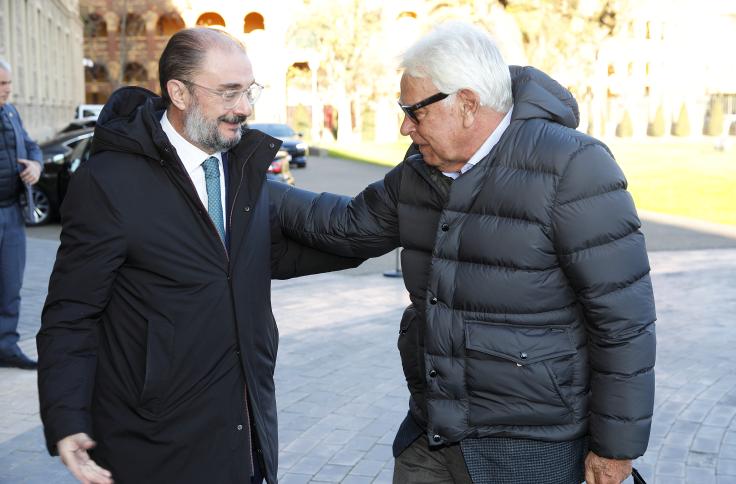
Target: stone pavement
{"x":341,"y":393}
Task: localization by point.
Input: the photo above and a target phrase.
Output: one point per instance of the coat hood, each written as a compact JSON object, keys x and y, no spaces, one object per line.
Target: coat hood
{"x":536,"y":95}
{"x":130,"y":123}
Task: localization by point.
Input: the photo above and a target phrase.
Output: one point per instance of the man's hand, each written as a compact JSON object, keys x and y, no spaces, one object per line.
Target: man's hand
{"x":31,"y":171}
{"x":599,"y":470}
{"x":73,"y":453}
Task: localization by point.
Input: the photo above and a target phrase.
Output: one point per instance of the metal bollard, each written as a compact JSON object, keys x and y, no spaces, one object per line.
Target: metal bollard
{"x":397,"y":270}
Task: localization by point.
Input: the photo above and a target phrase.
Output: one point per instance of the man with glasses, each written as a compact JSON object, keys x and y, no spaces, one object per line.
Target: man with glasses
{"x":529,"y":345}
{"x":158,"y":344}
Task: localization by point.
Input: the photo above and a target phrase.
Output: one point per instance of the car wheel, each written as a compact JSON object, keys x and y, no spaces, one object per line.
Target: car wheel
{"x":42,"y":210}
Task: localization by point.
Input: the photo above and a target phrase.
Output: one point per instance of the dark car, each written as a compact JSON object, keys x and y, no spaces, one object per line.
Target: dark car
{"x":292,"y":141}
{"x":61,"y":157}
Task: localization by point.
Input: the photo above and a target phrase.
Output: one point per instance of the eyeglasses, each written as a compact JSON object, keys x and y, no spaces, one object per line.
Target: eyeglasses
{"x":409,"y":110}
{"x":231,"y":97}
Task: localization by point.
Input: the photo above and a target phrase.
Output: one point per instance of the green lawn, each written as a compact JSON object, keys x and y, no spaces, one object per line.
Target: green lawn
{"x":675,"y":177}
{"x":678,"y":178}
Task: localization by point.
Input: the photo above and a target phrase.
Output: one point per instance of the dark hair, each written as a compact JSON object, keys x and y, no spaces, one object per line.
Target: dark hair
{"x":185,"y":53}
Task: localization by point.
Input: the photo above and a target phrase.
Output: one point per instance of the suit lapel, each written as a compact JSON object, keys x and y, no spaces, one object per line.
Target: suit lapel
{"x":247,"y":165}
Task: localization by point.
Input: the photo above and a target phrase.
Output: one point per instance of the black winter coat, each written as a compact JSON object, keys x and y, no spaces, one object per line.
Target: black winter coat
{"x":150,"y":329}
{"x":532,"y":311}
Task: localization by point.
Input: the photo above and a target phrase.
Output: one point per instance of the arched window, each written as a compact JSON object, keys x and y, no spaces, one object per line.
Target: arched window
{"x":134,"y":25}
{"x":253,"y":21}
{"x":210,"y":18}
{"x":95,"y":26}
{"x":134,"y":72}
{"x":441,"y":7}
{"x":96,"y":72}
{"x":169,"y":23}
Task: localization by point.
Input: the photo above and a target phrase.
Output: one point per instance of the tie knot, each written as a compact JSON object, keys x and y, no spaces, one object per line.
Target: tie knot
{"x":211,"y":168}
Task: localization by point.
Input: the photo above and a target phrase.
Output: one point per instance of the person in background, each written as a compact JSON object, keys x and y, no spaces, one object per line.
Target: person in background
{"x":20,"y":162}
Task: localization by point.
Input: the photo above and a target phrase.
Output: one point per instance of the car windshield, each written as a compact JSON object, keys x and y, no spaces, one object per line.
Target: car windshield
{"x":277,"y":130}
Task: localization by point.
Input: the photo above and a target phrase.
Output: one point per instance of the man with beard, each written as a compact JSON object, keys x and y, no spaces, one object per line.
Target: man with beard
{"x":157,"y":337}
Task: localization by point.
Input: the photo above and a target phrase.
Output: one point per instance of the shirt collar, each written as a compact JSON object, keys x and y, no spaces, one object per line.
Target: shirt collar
{"x":191,"y":156}
{"x":486,"y":147}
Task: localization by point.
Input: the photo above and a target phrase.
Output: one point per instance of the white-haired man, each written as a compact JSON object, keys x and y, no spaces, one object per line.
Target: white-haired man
{"x":529,"y":344}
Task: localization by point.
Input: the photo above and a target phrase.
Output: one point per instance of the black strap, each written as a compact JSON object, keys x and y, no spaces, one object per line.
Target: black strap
{"x":637,"y":477}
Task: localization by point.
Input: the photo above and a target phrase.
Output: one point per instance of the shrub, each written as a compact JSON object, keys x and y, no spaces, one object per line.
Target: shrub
{"x":714,"y":124}
{"x":656,"y":127}
{"x":682,"y":126}
{"x":624,"y":128}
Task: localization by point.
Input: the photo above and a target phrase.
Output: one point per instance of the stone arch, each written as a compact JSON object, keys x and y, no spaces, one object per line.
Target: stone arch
{"x":209,"y":19}
{"x":135,"y":72}
{"x":134,"y":25}
{"x":253,"y":21}
{"x":96,"y":72}
{"x":169,"y":23}
{"x":439,"y":8}
{"x":95,"y":25}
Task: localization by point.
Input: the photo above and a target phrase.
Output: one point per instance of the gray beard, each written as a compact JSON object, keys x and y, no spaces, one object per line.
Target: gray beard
{"x":204,"y":132}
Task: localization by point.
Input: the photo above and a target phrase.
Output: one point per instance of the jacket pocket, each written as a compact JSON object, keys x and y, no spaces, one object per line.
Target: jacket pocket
{"x":159,"y":361}
{"x":523,"y":345}
{"x":411,"y":350}
{"x":513,"y":373}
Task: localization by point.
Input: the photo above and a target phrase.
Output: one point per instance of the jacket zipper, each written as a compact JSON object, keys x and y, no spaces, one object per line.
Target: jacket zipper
{"x":237,"y":332}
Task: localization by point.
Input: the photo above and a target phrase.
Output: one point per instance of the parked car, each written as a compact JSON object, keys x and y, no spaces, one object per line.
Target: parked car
{"x":279,"y":169}
{"x":62,"y":155}
{"x":87,"y":111}
{"x":292,"y":141}
{"x":77,"y":124}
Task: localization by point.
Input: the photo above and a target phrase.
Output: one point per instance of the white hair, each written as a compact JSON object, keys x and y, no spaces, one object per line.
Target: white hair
{"x":4,"y":65}
{"x":457,"y":55}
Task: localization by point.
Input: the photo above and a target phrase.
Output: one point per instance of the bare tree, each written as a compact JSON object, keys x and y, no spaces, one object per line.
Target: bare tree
{"x":343,"y":33}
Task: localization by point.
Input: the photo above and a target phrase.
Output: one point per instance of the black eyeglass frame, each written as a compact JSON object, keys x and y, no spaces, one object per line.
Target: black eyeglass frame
{"x":410,"y":109}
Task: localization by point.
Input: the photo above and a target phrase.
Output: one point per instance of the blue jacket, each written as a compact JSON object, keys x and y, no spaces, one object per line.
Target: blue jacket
{"x":26,"y":148}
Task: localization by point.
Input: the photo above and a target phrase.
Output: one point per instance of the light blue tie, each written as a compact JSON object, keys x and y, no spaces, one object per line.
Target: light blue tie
{"x":214,"y":201}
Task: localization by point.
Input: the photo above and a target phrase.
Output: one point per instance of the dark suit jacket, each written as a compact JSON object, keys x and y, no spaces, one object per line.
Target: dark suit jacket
{"x":151,"y":329}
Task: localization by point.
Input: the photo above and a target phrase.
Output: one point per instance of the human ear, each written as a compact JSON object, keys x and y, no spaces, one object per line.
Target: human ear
{"x":469,"y":105}
{"x":177,"y":93}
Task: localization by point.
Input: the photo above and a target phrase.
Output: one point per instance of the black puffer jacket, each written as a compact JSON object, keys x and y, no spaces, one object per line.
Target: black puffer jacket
{"x":532,"y":311}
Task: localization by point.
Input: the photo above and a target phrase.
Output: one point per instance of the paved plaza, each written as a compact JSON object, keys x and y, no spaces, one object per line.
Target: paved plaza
{"x":341,"y":393}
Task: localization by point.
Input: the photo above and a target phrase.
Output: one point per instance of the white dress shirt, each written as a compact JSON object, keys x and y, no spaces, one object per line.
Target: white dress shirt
{"x":485,"y":148}
{"x":192,"y":158}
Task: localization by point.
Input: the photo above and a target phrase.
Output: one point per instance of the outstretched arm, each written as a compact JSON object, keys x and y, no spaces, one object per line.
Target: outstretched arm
{"x":363,"y":226}
{"x":290,"y":258}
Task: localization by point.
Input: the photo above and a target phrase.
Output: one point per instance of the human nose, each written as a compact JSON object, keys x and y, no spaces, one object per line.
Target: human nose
{"x":243,"y":106}
{"x":408,"y":126}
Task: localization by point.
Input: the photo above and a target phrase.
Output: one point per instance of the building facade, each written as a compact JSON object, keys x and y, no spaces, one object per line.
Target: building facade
{"x":672,"y":57}
{"x":123,"y":40}
{"x":664,"y":57}
{"x":42,"y":41}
